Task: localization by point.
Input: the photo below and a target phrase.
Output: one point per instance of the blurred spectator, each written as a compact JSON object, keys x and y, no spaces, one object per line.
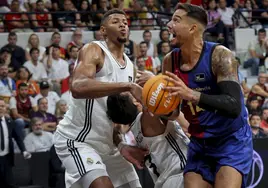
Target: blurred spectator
{"x":21,"y":106}
{"x":65,"y":84}
{"x":33,"y":42}
{"x":226,"y":13}
{"x":7,"y":84}
{"x":152,"y":49}
{"x":264,"y":13}
{"x":56,"y":170}
{"x":42,"y":20}
{"x":34,"y":4}
{"x":215,"y":26}
{"x":4,"y":7}
{"x":51,"y":96}
{"x":167,"y":7}
{"x":8,"y":131}
{"x":49,"y":120}
{"x":73,"y":55}
{"x":24,"y":76}
{"x":56,"y":67}
{"x":102,"y":7}
{"x":148,"y":18}
{"x":38,"y":140}
{"x":141,"y":66}
{"x":76,"y":40}
{"x":61,"y":109}
{"x":17,"y":21}
{"x":242,"y":81}
{"x":55,"y":40}
{"x":98,"y":35}
{"x":194,"y":2}
{"x":264,"y":121}
{"x":246,"y":11}
{"x":165,"y":49}
{"x":256,"y":53}
{"x":150,"y":63}
{"x":254,"y":121}
{"x":23,"y":5}
{"x":164,"y":37}
{"x":86,"y":18}
{"x":253,"y":105}
{"x":259,"y":90}
{"x":36,"y":68}
{"x":5,"y":57}
{"x":69,"y":20}
{"x":130,"y":48}
{"x":17,"y":53}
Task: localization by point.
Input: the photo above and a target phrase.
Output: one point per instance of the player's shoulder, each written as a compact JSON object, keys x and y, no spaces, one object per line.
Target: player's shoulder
{"x":221,"y":51}
{"x":91,"y":46}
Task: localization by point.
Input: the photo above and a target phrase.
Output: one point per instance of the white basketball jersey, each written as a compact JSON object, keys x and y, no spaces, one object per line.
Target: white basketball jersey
{"x":86,"y":120}
{"x":167,"y":151}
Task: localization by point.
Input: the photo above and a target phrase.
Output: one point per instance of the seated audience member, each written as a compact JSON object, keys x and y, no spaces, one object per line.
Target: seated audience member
{"x":77,"y":40}
{"x":98,"y":35}
{"x":55,"y":40}
{"x":262,"y":14}
{"x":56,"y":67}
{"x":16,"y":21}
{"x":254,"y":121}
{"x":256,"y":53}
{"x":70,"y":20}
{"x":259,"y":89}
{"x":24,"y":76}
{"x":253,"y":105}
{"x":42,"y":20}
{"x":33,"y":42}
{"x":5,"y":57}
{"x":51,"y":96}
{"x":264,"y":121}
{"x":36,"y":68}
{"x":164,"y":50}
{"x":49,"y":120}
{"x":102,"y":6}
{"x":130,"y":49}
{"x":17,"y":53}
{"x":150,"y":63}
{"x":21,"y":106}
{"x":4,"y":7}
{"x":61,"y":109}
{"x":86,"y":18}
{"x":56,"y":170}
{"x":140,"y":64}
{"x":65,"y":84}
{"x":38,"y":140}
{"x":226,"y":13}
{"x":7,"y":84}
{"x":152,"y":48}
{"x":73,"y":55}
{"x":164,"y":37}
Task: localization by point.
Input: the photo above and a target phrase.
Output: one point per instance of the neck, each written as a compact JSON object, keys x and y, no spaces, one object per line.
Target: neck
{"x":22,"y":98}
{"x":191,"y":51}
{"x":34,"y":62}
{"x":117,"y":49}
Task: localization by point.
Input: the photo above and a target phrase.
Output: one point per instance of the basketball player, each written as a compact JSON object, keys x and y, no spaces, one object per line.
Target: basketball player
{"x":165,"y":139}
{"x":205,"y":77}
{"x":83,"y":139}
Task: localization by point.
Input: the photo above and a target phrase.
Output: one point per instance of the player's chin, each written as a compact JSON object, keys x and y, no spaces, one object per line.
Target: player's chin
{"x":122,"y":39}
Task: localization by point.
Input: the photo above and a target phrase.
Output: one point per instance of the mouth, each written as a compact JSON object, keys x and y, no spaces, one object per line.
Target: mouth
{"x":123,"y":31}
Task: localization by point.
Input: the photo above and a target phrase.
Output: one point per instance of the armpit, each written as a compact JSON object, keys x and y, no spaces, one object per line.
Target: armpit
{"x":224,"y":64}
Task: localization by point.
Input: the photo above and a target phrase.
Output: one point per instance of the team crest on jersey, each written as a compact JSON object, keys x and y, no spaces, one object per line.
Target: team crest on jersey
{"x":200,"y":77}
{"x":89,"y":160}
{"x":130,"y":78}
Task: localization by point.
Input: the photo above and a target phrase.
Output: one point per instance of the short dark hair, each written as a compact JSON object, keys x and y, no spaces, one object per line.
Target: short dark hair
{"x":262,"y":30}
{"x":110,"y":12}
{"x":254,"y":113}
{"x":72,"y":47}
{"x":39,"y":1}
{"x":39,"y":100}
{"x":34,"y":49}
{"x":22,"y":85}
{"x":195,"y":12}
{"x":121,"y":109}
{"x":146,"y":31}
{"x":55,"y":46}
{"x":12,"y":34}
{"x":143,"y":42}
{"x":253,"y":98}
{"x":161,"y":32}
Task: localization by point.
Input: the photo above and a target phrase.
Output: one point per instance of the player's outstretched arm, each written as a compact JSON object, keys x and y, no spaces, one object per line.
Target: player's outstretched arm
{"x":90,"y":60}
{"x":227,"y":102}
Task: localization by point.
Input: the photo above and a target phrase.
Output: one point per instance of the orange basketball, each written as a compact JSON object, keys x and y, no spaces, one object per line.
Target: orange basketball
{"x":155,"y":98}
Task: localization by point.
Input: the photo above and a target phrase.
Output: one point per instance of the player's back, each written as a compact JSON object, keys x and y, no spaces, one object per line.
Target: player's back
{"x":204,"y":123}
{"x":86,"y":119}
{"x":167,"y":151}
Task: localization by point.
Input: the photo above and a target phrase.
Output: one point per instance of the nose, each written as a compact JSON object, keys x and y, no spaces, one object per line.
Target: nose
{"x":169,"y":25}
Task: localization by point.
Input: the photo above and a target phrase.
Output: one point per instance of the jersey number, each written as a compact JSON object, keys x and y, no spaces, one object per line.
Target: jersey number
{"x":194,"y":108}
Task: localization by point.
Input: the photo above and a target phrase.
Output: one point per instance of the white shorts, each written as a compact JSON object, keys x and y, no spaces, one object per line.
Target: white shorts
{"x":175,"y":181}
{"x":79,"y":158}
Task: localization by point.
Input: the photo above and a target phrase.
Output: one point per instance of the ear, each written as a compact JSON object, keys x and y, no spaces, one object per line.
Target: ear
{"x":193,"y":28}
{"x":103,"y":31}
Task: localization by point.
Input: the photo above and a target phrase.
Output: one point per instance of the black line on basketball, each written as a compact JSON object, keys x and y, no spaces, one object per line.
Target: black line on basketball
{"x":150,"y":90}
{"x":160,"y":99}
{"x":175,"y":101}
{"x":172,"y":103}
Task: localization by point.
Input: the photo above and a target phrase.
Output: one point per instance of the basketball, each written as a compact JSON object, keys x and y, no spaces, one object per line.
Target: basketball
{"x":156,"y":99}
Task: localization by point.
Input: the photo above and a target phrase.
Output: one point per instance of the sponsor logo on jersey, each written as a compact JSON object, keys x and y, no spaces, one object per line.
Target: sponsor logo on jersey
{"x":200,"y":77}
{"x":155,"y":94}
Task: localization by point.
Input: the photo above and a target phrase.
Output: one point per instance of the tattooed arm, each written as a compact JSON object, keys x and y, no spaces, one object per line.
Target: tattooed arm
{"x":227,"y":103}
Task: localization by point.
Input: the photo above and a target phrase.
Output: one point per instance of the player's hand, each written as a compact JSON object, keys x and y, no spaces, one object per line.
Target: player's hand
{"x":136,"y":91}
{"x":179,"y":87}
{"x":142,"y":77}
{"x":134,"y":155}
